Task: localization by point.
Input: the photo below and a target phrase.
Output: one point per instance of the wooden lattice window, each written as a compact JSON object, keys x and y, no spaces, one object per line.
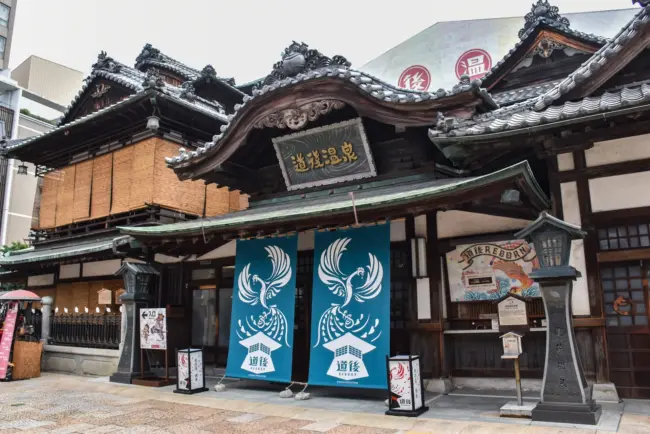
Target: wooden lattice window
{"x":624,"y":295}
{"x":402,"y":285}
{"x":624,"y":237}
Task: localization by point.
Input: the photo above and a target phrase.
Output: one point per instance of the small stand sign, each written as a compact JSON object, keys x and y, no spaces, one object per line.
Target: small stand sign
{"x":153,"y":336}
{"x":191,"y":373}
{"x":511,"y":345}
{"x":405,"y":386}
{"x":512,"y":349}
{"x":513,"y":314}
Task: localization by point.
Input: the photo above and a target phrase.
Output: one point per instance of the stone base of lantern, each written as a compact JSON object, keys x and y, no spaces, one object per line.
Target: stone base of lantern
{"x":585,"y":414}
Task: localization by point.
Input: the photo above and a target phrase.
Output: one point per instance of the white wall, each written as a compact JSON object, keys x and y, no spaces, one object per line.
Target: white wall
{"x":305,"y":242}
{"x":452,"y":224}
{"x":571,"y":209}
{"x":620,"y":192}
{"x":617,"y":151}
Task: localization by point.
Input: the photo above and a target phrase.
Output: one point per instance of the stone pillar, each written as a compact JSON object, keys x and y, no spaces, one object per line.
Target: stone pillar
{"x":128,"y":367}
{"x":46,"y":319}
{"x":566,"y":396}
{"x":137,"y":279}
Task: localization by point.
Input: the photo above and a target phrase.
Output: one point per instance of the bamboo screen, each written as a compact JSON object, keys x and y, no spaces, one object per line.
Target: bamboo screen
{"x":186,"y":196}
{"x":65,"y":196}
{"x":122,"y":167}
{"x":47,"y":215}
{"x":81,"y":294}
{"x":100,"y":199}
{"x":125,"y":180}
{"x":142,"y":174}
{"x":82,"y":187}
{"x":217,"y":201}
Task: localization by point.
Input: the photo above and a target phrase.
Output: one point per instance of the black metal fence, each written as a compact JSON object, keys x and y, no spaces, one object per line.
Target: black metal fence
{"x":86,"y":330}
{"x":33,"y":325}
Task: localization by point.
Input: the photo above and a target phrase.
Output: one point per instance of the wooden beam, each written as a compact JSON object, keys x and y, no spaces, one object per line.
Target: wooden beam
{"x":624,"y":255}
{"x":614,"y":169}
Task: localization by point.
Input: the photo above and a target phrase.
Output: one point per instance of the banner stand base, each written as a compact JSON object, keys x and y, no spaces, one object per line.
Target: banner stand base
{"x":414,"y":413}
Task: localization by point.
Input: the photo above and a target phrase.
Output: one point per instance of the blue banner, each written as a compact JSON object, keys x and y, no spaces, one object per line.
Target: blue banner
{"x":263,"y":303}
{"x":350,"y":329}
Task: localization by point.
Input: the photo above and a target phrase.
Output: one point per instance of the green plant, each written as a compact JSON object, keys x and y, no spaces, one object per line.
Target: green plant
{"x":14,"y":246}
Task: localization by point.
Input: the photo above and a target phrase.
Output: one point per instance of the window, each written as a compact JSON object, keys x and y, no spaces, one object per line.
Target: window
{"x":4,"y":16}
{"x":624,"y":237}
{"x":3,"y":41}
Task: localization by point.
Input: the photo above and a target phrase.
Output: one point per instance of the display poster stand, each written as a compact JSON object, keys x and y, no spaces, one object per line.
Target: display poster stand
{"x":153,"y":336}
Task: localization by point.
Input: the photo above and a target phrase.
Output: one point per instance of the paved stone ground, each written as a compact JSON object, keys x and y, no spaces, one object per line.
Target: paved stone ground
{"x":67,"y":404}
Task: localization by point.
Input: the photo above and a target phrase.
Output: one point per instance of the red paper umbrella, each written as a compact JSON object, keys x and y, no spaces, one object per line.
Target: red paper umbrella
{"x":20,"y":295}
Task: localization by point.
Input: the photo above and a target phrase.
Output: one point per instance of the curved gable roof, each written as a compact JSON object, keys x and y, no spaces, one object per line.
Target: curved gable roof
{"x":306,"y":76}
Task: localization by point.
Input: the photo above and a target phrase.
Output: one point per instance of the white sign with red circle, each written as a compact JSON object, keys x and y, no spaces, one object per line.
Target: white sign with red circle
{"x":475,"y":63}
{"x":415,"y":77}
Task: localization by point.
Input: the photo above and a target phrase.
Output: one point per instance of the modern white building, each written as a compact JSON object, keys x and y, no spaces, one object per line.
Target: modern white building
{"x":437,"y":56}
{"x":31,"y":103}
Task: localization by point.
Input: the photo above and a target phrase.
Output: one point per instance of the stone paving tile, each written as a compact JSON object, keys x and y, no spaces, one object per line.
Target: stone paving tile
{"x":74,"y":428}
{"x":24,"y":424}
{"x":349,"y":429}
{"x":322,"y":426}
{"x":245,"y":418}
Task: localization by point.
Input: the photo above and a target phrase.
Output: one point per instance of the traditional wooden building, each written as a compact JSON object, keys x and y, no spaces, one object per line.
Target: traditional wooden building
{"x":103,"y":166}
{"x":430,"y":205}
{"x":591,"y":129}
{"x":561,"y":116}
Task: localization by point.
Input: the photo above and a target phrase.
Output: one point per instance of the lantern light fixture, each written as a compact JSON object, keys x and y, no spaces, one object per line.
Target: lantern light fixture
{"x":22,"y":169}
{"x":552,"y":239}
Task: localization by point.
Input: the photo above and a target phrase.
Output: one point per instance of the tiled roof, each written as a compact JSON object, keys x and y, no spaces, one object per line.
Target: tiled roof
{"x":63,"y":251}
{"x":548,"y":17}
{"x":533,"y":110}
{"x":523,"y":93}
{"x":310,"y":207}
{"x":367,"y":83}
{"x":133,"y":79}
{"x":150,"y":56}
{"x":167,"y":91}
{"x":608,"y":101}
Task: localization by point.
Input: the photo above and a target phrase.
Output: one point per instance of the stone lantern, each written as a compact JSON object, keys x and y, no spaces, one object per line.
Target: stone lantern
{"x":137,"y":281}
{"x":566,"y":396}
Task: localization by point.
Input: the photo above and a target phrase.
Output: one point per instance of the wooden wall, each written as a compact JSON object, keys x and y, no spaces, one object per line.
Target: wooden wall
{"x":125,"y":180}
{"x":80,"y":294}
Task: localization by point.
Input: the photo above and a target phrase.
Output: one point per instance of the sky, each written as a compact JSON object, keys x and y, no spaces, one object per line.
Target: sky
{"x":241,"y":38}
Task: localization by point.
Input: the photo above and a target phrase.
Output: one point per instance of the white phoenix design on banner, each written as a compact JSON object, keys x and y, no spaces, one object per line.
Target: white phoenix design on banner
{"x":253,"y":290}
{"x":336,"y":320}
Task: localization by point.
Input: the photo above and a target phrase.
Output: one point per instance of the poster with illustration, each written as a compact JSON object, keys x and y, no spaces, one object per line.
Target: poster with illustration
{"x":153,"y":329}
{"x":489,"y":271}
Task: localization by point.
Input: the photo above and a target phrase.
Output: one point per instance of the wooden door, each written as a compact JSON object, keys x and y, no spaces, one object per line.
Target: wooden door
{"x":302,"y":319}
{"x":625,"y":296}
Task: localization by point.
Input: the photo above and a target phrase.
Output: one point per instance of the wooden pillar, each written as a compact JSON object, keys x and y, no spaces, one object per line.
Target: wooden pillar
{"x":435,"y":287}
{"x":591,"y":266}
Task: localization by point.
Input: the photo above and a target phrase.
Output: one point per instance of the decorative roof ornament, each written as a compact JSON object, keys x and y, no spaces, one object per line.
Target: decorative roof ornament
{"x":542,"y":10}
{"x":208,"y":74}
{"x":466,"y":84}
{"x":100,"y":90}
{"x":188,"y":91}
{"x":106,"y":63}
{"x":148,"y":53}
{"x":297,"y":117}
{"x":297,"y":58}
{"x":153,"y":80}
{"x":642,"y":3}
